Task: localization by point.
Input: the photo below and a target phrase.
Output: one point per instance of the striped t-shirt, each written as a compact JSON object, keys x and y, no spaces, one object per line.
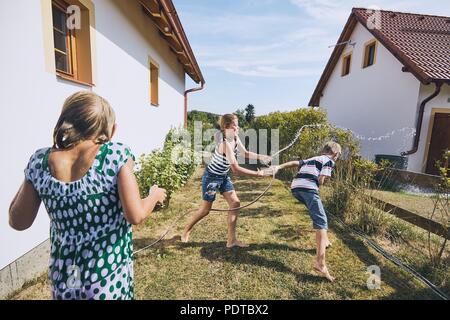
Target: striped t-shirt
{"x":310,"y":170}
{"x":219,"y":163}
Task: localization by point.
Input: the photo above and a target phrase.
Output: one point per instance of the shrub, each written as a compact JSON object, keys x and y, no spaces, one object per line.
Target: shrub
{"x":310,"y":141}
{"x":169,"y":168}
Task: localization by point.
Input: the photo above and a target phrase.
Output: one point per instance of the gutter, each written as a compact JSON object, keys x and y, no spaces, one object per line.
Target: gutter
{"x":420,"y":119}
{"x":186,"y":102}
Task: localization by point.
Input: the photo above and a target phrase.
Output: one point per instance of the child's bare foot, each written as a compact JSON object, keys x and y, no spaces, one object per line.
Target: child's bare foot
{"x":236,"y":243}
{"x":185,"y":236}
{"x":323,"y":271}
{"x":328,"y":245}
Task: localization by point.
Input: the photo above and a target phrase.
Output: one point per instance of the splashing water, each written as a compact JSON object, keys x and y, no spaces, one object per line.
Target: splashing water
{"x":297,"y":135}
{"x":410,"y":132}
{"x":407,"y":133}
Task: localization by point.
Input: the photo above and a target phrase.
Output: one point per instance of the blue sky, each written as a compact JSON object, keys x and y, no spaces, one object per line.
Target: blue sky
{"x":270,"y":53}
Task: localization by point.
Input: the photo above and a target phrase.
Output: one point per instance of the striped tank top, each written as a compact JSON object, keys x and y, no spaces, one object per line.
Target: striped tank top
{"x":219,"y":163}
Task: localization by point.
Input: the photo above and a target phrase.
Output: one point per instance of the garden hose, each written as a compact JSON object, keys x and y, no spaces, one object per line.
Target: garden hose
{"x":297,"y":135}
{"x":392,"y":258}
{"x":216,"y":210}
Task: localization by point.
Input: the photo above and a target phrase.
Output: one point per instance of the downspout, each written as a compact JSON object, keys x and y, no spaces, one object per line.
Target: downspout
{"x":420,"y":119}
{"x":186,"y":102}
{"x":168,"y":7}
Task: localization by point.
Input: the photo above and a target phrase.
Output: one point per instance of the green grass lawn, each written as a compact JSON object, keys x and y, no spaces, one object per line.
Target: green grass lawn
{"x":277,"y":265}
{"x":422,"y":205}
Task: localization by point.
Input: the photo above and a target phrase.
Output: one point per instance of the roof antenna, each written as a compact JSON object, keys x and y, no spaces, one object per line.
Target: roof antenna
{"x":349,"y":42}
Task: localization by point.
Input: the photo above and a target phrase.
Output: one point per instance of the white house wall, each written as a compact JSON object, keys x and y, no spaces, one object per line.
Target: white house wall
{"x":374,"y":101}
{"x":417,"y":161}
{"x":31,"y":97}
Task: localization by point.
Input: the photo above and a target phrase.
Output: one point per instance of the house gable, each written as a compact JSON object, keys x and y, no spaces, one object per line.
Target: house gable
{"x":419,"y":42}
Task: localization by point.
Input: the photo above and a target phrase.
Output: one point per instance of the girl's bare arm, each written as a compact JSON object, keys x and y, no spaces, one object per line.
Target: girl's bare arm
{"x":24,"y":207}
{"x":136,"y":209}
{"x":235,"y":167}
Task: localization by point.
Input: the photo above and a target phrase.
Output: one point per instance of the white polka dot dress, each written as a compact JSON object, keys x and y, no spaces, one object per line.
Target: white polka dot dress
{"x":91,"y":242}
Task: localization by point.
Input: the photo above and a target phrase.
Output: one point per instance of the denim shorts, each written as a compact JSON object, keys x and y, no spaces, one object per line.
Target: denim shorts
{"x":213,"y":182}
{"x":315,"y":207}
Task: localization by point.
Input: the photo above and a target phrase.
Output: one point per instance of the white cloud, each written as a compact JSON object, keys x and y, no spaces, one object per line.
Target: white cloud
{"x":337,"y":11}
{"x":325,"y":11}
{"x":272,"y":71}
{"x":278,"y":43}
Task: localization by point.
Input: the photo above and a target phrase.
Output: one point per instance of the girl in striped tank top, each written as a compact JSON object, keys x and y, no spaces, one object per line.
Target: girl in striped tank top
{"x":215,"y":178}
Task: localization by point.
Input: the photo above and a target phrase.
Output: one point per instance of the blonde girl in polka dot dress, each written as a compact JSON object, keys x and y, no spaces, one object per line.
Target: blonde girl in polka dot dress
{"x":87,"y":185}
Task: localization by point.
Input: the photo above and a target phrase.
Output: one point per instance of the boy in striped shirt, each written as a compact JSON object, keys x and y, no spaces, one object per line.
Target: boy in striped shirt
{"x":305,"y":188}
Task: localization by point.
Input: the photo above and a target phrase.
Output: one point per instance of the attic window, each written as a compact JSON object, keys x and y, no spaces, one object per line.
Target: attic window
{"x":346,"y":63}
{"x":154,"y":85}
{"x":369,"y":53}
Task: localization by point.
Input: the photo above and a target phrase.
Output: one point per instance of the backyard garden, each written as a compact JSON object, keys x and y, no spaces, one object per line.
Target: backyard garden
{"x":414,"y":262}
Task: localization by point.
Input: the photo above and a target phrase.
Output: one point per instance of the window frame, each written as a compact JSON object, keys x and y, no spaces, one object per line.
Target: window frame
{"x":154,"y":71}
{"x":70,"y":43}
{"x":345,"y":57}
{"x":367,"y":45}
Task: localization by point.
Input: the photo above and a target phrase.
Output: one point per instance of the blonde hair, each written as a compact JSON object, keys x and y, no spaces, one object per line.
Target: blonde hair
{"x":226,"y":120}
{"x":332,"y":147}
{"x":84,"y":116}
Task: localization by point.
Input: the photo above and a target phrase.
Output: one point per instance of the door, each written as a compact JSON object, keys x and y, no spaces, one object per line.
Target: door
{"x":440,"y":141}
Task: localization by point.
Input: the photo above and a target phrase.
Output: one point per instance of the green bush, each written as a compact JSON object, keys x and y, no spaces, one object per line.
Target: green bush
{"x":311,"y":139}
{"x":169,"y":168}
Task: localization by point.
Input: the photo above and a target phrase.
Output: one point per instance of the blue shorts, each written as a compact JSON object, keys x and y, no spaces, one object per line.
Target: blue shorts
{"x":213,"y":182}
{"x":315,"y":207}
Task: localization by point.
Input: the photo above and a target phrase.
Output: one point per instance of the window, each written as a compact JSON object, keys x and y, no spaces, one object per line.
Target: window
{"x":63,"y":39}
{"x":369,"y":53}
{"x":72,"y":47}
{"x":154,"y":77}
{"x":346,"y":63}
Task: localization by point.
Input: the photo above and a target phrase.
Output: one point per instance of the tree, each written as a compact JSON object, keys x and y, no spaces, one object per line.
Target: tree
{"x":250,"y":113}
{"x":240,"y":113}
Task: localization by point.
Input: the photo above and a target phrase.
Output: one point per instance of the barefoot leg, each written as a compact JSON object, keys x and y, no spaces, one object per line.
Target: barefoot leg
{"x":199,"y":215}
{"x":233,"y":202}
{"x":319,"y":264}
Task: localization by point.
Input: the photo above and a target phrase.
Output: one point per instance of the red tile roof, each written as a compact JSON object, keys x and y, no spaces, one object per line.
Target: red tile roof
{"x":165,"y":17}
{"x":420,"y":42}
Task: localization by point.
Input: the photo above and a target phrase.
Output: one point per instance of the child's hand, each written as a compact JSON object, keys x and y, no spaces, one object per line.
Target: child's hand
{"x":260,"y":173}
{"x":158,"y":193}
{"x":265,"y":159}
{"x":270,"y":171}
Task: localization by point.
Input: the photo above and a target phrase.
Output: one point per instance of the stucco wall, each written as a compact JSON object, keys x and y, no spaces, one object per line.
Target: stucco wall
{"x":373,"y":101}
{"x":31,"y":95}
{"x":417,"y":161}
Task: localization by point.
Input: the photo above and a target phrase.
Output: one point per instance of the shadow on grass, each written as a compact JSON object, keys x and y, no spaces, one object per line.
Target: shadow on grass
{"x":250,"y":196}
{"x":261,"y":212}
{"x":287,"y":232}
{"x":401,"y":282}
{"x":216,"y":251}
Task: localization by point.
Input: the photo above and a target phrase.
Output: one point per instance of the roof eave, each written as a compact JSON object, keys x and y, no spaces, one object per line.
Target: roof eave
{"x":354,"y":18}
{"x":345,"y":34}
{"x":165,"y":17}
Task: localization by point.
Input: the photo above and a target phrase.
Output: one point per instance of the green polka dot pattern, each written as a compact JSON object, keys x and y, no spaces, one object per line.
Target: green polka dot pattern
{"x":91,"y":242}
